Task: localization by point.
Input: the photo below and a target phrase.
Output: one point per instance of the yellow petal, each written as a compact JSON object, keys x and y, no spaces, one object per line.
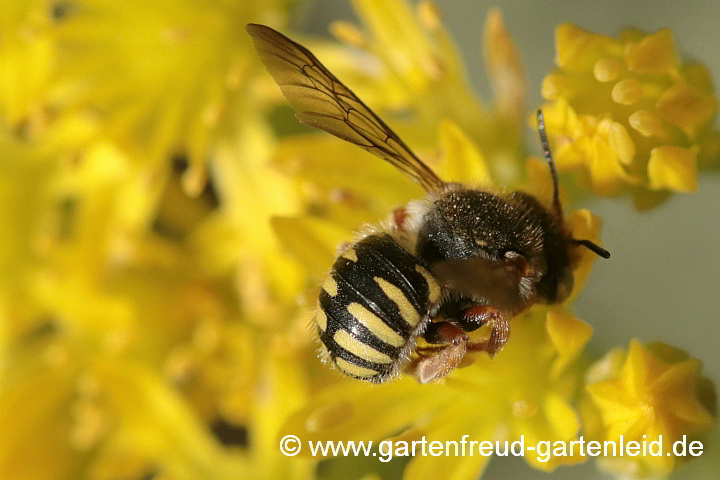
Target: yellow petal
{"x":686,"y":107}
{"x":648,"y":199}
{"x":335,"y":165}
{"x":584,"y":226}
{"x":354,"y":410}
{"x":313,"y":242}
{"x":429,"y":15}
{"x":592,"y":424}
{"x":653,"y":393}
{"x":506,"y":73}
{"x":563,"y":123}
{"x":556,"y":86}
{"x":539,"y":182}
{"x":698,"y":75}
{"x":282,"y":389}
{"x":400,"y":38}
{"x":672,"y":168}
{"x":654,"y":54}
{"x":606,"y":172}
{"x":556,"y":412}
{"x":36,"y":439}
{"x":561,"y":417}
{"x":569,"y":335}
{"x":446,"y":428}
{"x":641,"y":365}
{"x":676,"y":390}
{"x":462,"y":161}
{"x":158,"y":423}
{"x":578,"y":50}
{"x":621,"y":143}
{"x":348,"y":33}
{"x":649,"y":124}
{"x":26,"y":59}
{"x":667,"y":353}
{"x":607,"y":368}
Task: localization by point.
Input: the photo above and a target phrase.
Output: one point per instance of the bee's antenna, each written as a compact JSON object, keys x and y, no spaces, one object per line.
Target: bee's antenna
{"x":548,"y":158}
{"x":597,"y":249}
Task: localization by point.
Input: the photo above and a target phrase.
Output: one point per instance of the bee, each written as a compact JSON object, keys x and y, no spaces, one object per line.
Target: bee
{"x":438,"y":268}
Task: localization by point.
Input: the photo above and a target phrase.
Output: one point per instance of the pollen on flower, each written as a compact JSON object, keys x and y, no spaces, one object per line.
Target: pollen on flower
{"x":619,"y":103}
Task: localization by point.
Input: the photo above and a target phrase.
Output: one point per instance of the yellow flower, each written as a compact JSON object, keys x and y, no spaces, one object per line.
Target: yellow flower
{"x":26,"y":59}
{"x":628,"y":114}
{"x":650,"y":393}
{"x":404,"y":64}
{"x":60,"y":317}
{"x":165,"y":76}
{"x":180,"y":80}
{"x":35,"y":213}
{"x":124,"y":348}
{"x":237,"y":239}
{"x":119,"y":354}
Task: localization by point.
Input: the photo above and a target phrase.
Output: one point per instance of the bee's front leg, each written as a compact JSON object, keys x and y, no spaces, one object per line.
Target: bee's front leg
{"x":479,"y":315}
{"x":443,"y":359}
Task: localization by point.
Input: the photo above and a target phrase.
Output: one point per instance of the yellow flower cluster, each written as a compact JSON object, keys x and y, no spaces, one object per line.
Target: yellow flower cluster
{"x":651,"y":393}
{"x":135,"y":295}
{"x":534,"y":387}
{"x":629,"y":115}
{"x":405,"y":65}
{"x":164,"y":237}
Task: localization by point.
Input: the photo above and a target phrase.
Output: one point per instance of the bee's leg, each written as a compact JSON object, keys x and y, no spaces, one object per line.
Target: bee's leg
{"x":448,"y":357}
{"x":479,"y":315}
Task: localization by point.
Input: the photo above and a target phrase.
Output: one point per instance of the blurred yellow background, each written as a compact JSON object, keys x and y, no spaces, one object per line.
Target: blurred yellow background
{"x":165,"y":223}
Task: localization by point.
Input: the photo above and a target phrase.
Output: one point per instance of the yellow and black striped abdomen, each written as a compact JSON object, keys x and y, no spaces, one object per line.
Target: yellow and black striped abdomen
{"x":375,"y":300}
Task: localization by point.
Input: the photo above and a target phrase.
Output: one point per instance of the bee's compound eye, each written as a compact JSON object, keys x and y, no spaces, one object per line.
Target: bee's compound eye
{"x":518,"y":261}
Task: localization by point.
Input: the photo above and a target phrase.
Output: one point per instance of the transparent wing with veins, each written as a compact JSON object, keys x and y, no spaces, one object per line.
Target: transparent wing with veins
{"x":323,"y":102}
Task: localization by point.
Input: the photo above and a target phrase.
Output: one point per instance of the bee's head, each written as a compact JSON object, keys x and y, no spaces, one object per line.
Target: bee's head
{"x":544,"y":251}
{"x":541,"y":249}
{"x":503,"y":249}
{"x":556,"y":284}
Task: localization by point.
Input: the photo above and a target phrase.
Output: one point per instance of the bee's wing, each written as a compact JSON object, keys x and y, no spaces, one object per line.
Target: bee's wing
{"x":323,"y":102}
